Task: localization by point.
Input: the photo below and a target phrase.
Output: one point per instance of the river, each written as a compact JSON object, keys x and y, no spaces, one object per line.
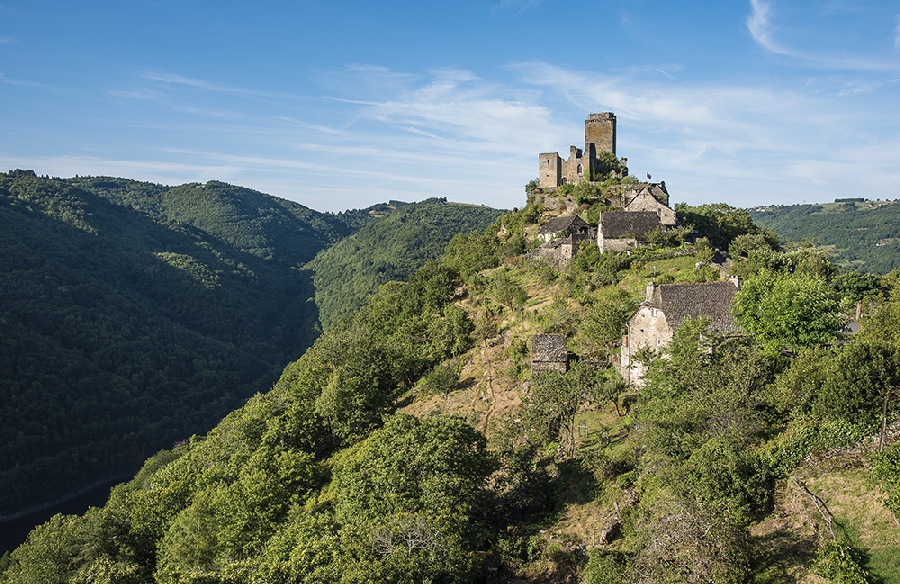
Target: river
{"x":14,"y":531}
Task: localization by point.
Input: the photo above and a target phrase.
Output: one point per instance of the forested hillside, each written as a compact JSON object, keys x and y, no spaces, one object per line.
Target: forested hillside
{"x":411,"y":443}
{"x":391,"y":249}
{"x":862,"y":236}
{"x":134,"y":319}
{"x":134,"y":315}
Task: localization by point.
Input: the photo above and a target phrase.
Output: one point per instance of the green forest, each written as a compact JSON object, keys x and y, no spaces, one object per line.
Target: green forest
{"x":861,"y":235}
{"x":393,"y":248}
{"x":412,"y":443}
{"x":133,"y":315}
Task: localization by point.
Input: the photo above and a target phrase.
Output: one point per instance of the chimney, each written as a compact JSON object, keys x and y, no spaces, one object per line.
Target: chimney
{"x":651,"y":289}
{"x":736,"y":280}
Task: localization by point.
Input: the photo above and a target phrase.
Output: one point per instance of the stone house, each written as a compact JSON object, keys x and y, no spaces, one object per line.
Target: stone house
{"x":650,"y":198}
{"x":565,"y":226}
{"x":549,"y":353}
{"x":664,"y":310}
{"x":623,"y":230}
{"x":558,"y":251}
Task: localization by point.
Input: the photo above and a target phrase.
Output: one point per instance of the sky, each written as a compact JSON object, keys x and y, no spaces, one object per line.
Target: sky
{"x":340,"y":105}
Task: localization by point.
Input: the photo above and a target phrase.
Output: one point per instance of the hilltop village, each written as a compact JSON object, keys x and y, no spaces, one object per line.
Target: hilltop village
{"x":630,"y":214}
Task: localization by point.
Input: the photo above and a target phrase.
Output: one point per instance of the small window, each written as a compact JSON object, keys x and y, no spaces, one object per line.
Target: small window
{"x":580,"y":169}
{"x":564,"y":180}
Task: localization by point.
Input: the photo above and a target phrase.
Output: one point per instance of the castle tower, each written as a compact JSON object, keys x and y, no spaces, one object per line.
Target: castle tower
{"x":599,"y":134}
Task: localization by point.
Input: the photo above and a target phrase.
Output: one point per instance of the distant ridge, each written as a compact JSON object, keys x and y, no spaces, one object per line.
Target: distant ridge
{"x":859,"y":234}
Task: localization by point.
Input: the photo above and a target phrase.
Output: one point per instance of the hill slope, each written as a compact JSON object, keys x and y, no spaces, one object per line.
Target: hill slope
{"x":863,"y":236}
{"x":135,"y":320}
{"x":412,"y":443}
{"x":391,"y":249}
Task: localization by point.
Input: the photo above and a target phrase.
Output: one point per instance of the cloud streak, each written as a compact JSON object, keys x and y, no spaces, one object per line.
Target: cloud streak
{"x":212,"y":87}
{"x":23,"y":83}
{"x":762,"y":29}
{"x":897,"y":33}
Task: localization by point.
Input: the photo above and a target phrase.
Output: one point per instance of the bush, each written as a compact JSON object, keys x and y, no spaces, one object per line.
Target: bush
{"x":840,"y":563}
{"x":605,"y":567}
{"x":887,"y":469}
{"x":443,"y":378}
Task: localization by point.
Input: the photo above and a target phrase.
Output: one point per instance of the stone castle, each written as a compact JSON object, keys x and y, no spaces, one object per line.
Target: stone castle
{"x":599,"y":137}
{"x":635,"y":209}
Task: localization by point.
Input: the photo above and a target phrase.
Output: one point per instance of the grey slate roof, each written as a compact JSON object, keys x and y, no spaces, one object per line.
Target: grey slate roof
{"x":549,"y":348}
{"x":614,"y":225}
{"x":562,"y":223}
{"x":681,"y":301}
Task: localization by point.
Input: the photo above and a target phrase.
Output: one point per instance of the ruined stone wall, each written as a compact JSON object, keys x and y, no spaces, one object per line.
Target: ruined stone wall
{"x":573,"y":171}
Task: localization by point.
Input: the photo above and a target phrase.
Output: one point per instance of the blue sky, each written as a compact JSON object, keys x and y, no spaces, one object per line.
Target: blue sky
{"x":344,"y":104}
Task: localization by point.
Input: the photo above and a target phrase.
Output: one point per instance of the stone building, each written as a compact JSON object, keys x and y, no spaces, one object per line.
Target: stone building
{"x":599,"y":136}
{"x":653,"y":198}
{"x":558,"y":251}
{"x":665,"y":309}
{"x":549,"y":353}
{"x":565,"y":226}
{"x":623,"y":230}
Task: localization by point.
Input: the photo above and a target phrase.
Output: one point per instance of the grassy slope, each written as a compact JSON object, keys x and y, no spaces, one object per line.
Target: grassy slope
{"x":493,"y":379}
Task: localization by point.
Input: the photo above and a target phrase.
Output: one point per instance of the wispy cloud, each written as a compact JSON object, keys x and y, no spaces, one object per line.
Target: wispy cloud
{"x":517,"y":5}
{"x":6,"y":40}
{"x":457,"y":105}
{"x":23,"y":82}
{"x":760,"y":25}
{"x":763,"y":30}
{"x":897,"y":34}
{"x":134,"y":93}
{"x":211,"y":86}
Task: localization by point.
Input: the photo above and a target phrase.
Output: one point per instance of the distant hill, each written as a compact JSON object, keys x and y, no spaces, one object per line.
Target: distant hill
{"x":863,"y":236}
{"x":391,"y":249}
{"x":134,"y":315}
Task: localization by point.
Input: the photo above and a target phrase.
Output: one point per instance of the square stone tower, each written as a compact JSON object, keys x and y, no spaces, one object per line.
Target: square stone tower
{"x":600,"y":134}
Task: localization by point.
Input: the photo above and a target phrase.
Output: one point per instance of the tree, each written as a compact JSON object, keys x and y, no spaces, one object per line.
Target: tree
{"x":406,"y":497}
{"x":720,"y":222}
{"x":604,"y":320}
{"x":553,"y":400}
{"x":858,"y":380}
{"x":788,"y":312}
